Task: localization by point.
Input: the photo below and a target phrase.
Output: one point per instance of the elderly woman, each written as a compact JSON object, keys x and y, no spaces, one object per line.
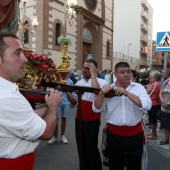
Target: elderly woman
{"x":165,"y":111}
{"x":153,"y":90}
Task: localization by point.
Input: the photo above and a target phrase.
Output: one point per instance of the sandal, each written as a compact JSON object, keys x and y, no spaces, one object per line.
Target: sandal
{"x":164,"y":142}
{"x":148,"y":134}
{"x":151,"y":137}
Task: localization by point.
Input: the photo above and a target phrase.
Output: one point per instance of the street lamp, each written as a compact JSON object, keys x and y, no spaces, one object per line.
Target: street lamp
{"x":128,"y":48}
{"x":23,"y":24}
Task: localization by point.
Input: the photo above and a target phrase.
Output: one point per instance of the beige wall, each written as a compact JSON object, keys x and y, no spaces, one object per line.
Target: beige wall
{"x":50,"y":12}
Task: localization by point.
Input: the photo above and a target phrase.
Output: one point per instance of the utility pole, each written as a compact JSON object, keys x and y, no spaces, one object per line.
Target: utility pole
{"x":128,"y":48}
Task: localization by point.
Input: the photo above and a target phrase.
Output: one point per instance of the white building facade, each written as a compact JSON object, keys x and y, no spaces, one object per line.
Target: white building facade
{"x":132,"y":38}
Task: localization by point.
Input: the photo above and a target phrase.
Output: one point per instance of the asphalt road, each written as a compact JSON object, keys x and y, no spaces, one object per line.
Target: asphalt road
{"x":61,"y":156}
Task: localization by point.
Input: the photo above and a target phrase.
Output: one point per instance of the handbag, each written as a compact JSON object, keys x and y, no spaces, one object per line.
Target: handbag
{"x":145,"y":112}
{"x":152,"y":90}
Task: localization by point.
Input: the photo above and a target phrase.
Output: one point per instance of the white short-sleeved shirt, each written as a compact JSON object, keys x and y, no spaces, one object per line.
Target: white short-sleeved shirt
{"x":20,"y":126}
{"x":121,"y":111}
{"x":87,"y":95}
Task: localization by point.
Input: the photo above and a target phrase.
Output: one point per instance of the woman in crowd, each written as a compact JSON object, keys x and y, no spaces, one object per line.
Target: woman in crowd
{"x":107,"y":77}
{"x":153,"y":89}
{"x":165,"y":111}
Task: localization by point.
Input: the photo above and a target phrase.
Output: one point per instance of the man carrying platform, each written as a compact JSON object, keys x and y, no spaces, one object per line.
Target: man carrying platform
{"x":20,"y":125}
{"x":87,"y":132}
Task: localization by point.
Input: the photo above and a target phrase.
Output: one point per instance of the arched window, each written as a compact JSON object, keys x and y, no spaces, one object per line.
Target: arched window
{"x":91,"y":4}
{"x":57,"y":31}
{"x":87,"y":34}
{"x":26,"y":36}
{"x":108,"y":49}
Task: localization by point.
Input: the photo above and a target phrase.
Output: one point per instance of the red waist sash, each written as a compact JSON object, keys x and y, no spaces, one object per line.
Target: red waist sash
{"x":125,"y":130}
{"x":87,"y":112}
{"x":25,"y":162}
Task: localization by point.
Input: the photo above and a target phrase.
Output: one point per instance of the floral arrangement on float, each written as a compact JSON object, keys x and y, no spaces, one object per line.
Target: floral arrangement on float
{"x":41,"y":61}
{"x":41,"y":67}
{"x":63,"y":40}
{"x":37,"y":68}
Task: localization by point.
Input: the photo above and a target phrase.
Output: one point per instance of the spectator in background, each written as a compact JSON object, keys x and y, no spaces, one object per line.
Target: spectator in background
{"x":76,"y":75}
{"x":101,"y":74}
{"x":63,"y":111}
{"x":133,"y":76}
{"x":72,"y":77}
{"x":107,"y":77}
{"x":153,"y":90}
{"x":81,"y":76}
{"x":165,"y":75}
{"x":165,"y":111}
{"x":113,"y":78}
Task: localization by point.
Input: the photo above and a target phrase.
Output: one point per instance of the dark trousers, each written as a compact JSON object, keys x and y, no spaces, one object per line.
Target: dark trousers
{"x":124,"y":149}
{"x":153,"y":115}
{"x":87,"y":144}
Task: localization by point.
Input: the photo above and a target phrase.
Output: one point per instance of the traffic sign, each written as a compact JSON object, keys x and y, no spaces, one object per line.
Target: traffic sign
{"x":163,"y":41}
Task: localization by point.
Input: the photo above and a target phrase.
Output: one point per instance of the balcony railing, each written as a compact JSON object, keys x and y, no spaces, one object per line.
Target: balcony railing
{"x":144,"y":38}
{"x":125,"y":57}
{"x":144,"y":27}
{"x":145,"y":5}
{"x":144,"y":16}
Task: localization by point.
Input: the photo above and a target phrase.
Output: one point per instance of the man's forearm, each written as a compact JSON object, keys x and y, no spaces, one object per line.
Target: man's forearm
{"x":98,"y":102}
{"x":51,"y":120}
{"x":71,"y":99}
{"x":41,"y":111}
{"x":135,"y":99}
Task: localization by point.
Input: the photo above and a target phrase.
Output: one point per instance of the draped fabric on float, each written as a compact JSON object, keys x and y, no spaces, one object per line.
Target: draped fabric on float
{"x":9,"y":11}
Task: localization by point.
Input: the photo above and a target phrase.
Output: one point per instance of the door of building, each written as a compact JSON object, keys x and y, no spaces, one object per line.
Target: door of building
{"x":86,"y":50}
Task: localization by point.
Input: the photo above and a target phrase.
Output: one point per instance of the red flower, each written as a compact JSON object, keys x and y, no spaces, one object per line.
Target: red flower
{"x":43,"y":66}
{"x":34,"y":56}
{"x":41,"y":61}
{"x":44,"y":57}
{"x":53,"y":65}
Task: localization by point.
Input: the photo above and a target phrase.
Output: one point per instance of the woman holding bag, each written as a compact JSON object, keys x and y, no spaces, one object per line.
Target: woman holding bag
{"x":153,"y":90}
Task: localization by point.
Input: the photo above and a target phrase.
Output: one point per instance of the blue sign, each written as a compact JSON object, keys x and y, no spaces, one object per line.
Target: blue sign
{"x":163,"y":41}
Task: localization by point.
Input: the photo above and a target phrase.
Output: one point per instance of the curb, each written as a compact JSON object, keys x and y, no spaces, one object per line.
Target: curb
{"x":162,"y":149}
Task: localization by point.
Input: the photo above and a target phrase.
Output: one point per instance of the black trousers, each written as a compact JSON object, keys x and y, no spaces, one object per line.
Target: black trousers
{"x":88,"y":151}
{"x":123,"y":150}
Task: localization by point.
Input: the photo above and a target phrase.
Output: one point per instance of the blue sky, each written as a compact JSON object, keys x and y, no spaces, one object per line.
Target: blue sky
{"x":161,"y":16}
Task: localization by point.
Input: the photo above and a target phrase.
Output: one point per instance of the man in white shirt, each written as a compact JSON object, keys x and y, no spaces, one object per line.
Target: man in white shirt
{"x":20,"y":125}
{"x":123,"y":114}
{"x":88,"y":148}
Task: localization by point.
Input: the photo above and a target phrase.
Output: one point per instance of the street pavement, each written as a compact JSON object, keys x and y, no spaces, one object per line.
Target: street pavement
{"x":61,"y":156}
{"x":162,"y":149}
